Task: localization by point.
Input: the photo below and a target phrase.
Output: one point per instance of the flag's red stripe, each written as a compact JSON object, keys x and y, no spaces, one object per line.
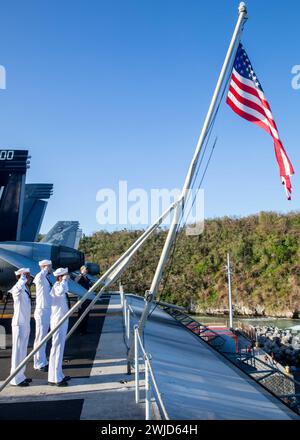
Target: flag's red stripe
{"x":279,"y":158}
{"x":247,"y":116}
{"x":281,"y":152}
{"x":252,"y":90}
{"x":251,"y":118}
{"x":278,"y":145}
{"x":245,"y":87}
{"x":288,"y":183}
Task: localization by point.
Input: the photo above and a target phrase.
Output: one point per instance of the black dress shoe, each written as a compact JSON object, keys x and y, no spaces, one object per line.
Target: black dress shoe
{"x":22,"y":384}
{"x":43,"y":369}
{"x":28,"y":380}
{"x":58,"y":384}
{"x":63,"y":383}
{"x":66,"y":378}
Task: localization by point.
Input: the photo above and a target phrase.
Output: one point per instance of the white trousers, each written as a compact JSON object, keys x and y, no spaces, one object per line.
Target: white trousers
{"x":42,"y":324}
{"x":55,"y":373}
{"x":20,"y":336}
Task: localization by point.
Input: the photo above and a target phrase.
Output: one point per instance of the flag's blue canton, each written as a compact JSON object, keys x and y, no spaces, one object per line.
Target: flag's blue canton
{"x":244,"y":67}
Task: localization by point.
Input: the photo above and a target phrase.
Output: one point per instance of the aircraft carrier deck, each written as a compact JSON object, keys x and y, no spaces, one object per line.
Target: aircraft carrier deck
{"x":195,"y":381}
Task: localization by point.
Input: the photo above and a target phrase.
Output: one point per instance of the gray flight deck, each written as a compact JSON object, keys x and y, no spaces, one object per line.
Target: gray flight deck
{"x":194,"y":380}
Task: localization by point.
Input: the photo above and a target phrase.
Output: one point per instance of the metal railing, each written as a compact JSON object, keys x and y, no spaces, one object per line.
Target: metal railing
{"x":141,"y":359}
{"x":272,"y":378}
{"x":247,"y":329}
{"x":281,"y":385}
{"x":204,"y":332}
{"x":128,"y":314}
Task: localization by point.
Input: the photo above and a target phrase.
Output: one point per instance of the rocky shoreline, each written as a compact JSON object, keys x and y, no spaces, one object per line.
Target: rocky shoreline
{"x":245,"y":312}
{"x":283,"y":345}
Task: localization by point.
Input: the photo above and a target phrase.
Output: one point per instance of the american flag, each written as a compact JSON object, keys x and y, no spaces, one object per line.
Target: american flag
{"x":247,"y":99}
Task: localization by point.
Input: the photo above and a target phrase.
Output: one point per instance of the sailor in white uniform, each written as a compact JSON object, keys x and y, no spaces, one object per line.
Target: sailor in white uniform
{"x":42,"y":312}
{"x":20,"y":324}
{"x":59,"y":308}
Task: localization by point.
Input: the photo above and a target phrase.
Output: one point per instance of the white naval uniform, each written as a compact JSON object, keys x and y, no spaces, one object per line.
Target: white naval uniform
{"x":58,"y":309}
{"x":42,"y":316}
{"x":20,"y":326}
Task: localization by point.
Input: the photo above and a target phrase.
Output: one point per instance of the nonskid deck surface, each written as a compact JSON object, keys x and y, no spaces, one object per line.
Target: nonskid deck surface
{"x":106,"y":392}
{"x":198,"y":383}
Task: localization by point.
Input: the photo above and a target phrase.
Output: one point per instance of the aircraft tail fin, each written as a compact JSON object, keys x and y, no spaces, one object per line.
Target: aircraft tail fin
{"x":65,"y":233}
{"x":34,"y":209}
{"x":13,"y":167}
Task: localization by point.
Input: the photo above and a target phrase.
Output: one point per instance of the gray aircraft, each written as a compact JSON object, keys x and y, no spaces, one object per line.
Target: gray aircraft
{"x":22,"y":209}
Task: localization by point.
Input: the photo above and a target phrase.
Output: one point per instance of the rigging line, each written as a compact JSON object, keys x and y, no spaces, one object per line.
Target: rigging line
{"x":167,"y":272}
{"x":212,"y":123}
{"x":152,"y":310}
{"x":209,"y":159}
{"x":226,"y":82}
{"x":194,"y":199}
{"x":209,"y":131}
{"x":201,"y":181}
{"x":208,"y":134}
{"x":171,"y":258}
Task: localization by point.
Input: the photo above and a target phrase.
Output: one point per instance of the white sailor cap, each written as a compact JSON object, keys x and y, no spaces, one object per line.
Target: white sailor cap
{"x":61,"y":271}
{"x":22,"y":271}
{"x":45,"y":263}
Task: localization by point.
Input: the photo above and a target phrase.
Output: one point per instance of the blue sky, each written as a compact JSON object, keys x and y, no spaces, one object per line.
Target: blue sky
{"x":102,"y":91}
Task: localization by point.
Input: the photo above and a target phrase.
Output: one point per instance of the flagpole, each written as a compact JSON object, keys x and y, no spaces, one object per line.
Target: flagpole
{"x":229,"y":292}
{"x":242,"y":10}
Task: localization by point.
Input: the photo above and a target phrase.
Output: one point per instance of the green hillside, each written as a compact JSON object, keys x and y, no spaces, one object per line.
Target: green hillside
{"x":265,"y":253}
